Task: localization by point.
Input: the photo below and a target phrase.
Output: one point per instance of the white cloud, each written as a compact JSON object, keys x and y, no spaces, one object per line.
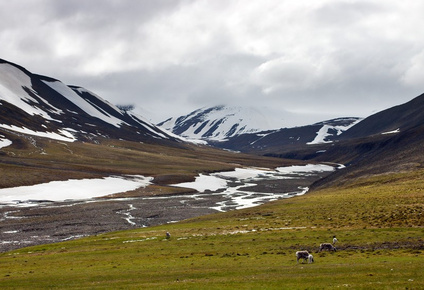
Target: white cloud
{"x":293,"y":74}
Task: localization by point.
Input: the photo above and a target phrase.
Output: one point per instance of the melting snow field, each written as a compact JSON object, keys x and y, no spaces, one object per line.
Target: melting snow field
{"x":241,"y":188}
{"x":232,"y":185}
{"x":73,"y":189}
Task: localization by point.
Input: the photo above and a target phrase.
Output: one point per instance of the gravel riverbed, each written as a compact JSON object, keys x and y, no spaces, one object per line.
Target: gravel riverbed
{"x":42,"y":222}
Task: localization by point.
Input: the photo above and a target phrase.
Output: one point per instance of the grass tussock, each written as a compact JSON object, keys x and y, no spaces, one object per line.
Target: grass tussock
{"x":378,"y":221}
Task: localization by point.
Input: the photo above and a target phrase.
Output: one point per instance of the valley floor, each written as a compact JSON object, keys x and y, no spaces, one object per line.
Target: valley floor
{"x":56,"y":222}
{"x":25,"y":225}
{"x":377,"y":220}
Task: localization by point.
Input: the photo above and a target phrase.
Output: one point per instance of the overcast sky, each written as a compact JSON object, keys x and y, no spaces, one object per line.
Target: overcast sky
{"x":169,"y":57}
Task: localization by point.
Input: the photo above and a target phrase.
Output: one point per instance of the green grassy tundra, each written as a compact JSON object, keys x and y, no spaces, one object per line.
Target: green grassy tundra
{"x":377,"y":220}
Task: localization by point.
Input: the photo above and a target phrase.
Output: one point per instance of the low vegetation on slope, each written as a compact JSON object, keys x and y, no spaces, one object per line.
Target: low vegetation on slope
{"x":378,"y":222}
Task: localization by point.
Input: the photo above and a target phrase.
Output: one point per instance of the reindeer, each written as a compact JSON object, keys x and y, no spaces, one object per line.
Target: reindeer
{"x":305,"y":256}
{"x":327,"y":246}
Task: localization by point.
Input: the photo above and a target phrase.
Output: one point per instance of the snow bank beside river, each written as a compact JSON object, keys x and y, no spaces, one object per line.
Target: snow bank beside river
{"x":239,"y":188}
{"x":72,"y":189}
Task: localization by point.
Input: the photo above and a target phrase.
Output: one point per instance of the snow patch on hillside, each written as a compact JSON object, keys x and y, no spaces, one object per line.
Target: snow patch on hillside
{"x":72,"y":96}
{"x":84,"y":90}
{"x":391,"y":132}
{"x":324,"y":132}
{"x":13,"y":83}
{"x":75,"y":109}
{"x":321,"y":135}
{"x":4,"y":142}
{"x":63,"y":135}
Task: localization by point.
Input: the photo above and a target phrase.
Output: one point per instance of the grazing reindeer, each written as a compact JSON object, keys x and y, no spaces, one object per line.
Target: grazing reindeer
{"x":327,"y":246}
{"x":305,"y":256}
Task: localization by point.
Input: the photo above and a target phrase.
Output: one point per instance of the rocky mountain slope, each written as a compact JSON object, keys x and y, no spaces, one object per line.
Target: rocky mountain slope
{"x":43,"y":106}
{"x":288,"y":138}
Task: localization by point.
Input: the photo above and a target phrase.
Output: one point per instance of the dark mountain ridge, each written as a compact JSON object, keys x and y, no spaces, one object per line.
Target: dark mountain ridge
{"x":368,"y":135}
{"x":389,"y":141}
{"x":401,"y":117}
{"x":376,"y":155}
{"x":39,"y":103}
{"x":287,"y":138}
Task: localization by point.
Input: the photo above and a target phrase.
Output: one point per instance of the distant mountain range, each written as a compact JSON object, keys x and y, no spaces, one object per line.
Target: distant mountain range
{"x":43,"y":106}
{"x":245,"y":129}
{"x":390,"y":140}
{"x":318,"y":133}
{"x":249,"y":129}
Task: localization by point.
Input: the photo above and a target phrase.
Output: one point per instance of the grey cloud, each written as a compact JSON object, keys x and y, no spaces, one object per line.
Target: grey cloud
{"x":349,"y":57}
{"x":95,"y":14}
{"x":346,"y":13}
{"x":181,"y":89}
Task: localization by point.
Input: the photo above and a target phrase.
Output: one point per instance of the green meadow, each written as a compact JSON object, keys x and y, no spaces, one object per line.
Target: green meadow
{"x":377,"y":220}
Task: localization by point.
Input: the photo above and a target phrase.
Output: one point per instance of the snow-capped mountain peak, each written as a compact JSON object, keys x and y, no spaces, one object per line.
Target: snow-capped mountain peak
{"x":222,"y":122}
